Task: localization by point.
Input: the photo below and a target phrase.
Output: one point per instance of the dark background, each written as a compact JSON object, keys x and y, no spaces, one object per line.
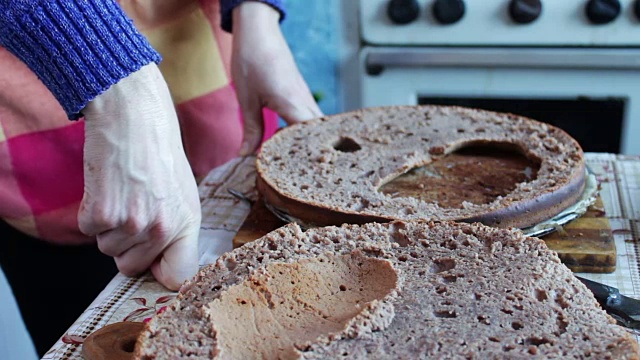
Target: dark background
{"x":595,"y":123}
{"x":52,"y":284}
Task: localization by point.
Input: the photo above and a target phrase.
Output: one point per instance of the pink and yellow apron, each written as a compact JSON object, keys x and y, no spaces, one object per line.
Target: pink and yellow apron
{"x":41,"y":174}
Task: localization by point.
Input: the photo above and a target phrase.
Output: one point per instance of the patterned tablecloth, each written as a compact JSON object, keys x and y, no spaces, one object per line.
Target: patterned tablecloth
{"x":137,"y":299}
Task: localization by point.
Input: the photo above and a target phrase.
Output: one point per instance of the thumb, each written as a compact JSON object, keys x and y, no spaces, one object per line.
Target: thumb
{"x":253,"y":127}
{"x":178,"y":262}
{"x":296,"y":109}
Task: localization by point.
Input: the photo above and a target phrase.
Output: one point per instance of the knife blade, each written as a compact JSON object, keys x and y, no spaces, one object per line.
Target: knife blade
{"x":624,"y":309}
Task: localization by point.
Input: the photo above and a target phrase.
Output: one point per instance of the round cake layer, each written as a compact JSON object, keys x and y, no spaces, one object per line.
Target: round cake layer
{"x":393,"y":290}
{"x":330,"y":170}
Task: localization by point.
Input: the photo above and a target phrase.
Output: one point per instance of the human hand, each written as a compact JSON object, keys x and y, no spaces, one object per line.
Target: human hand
{"x":264,"y":72}
{"x":140,"y":197}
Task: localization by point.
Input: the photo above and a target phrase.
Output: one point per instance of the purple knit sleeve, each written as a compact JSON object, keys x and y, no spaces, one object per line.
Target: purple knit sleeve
{"x":227,"y":6}
{"x":77,"y":48}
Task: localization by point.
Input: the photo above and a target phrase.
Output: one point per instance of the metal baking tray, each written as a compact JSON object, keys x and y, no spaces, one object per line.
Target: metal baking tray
{"x":588,"y":198}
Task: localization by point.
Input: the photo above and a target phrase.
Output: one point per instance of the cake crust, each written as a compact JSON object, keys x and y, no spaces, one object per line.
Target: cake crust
{"x":328,"y":171}
{"x":453,"y":290}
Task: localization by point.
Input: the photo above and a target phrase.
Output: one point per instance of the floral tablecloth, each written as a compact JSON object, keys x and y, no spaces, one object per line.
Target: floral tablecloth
{"x":137,"y":299}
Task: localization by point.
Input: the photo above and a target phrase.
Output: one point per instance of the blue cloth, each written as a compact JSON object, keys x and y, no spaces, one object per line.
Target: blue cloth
{"x":227,"y":6}
{"x":15,"y":342}
{"x":78,"y":48}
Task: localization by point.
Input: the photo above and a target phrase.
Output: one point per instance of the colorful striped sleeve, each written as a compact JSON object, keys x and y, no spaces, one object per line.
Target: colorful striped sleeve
{"x":78,"y":48}
{"x":227,"y":6}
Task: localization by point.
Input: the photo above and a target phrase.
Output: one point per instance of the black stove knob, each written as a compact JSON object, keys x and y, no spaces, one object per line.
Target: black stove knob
{"x":448,"y":11}
{"x":525,"y":11}
{"x":403,"y":11}
{"x":636,"y":9}
{"x":602,"y":11}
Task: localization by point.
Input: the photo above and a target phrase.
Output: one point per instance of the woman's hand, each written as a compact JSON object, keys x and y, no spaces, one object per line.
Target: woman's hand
{"x":140,"y":197}
{"x":265,"y":73}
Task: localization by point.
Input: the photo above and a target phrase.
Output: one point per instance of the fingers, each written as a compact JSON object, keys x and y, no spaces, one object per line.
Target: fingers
{"x":310,"y":102}
{"x":93,"y":220}
{"x":172,"y":258}
{"x":137,"y":259}
{"x":116,"y":242}
{"x":296,"y":114}
{"x":292,"y":112}
{"x":178,"y":263}
{"x":315,"y":110}
{"x":133,"y":253}
{"x":253,"y":126}
{"x":296,"y":108}
{"x":171,"y":261}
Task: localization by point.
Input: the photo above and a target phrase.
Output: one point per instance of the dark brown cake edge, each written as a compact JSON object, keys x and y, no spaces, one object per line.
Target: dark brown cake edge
{"x":519,"y":214}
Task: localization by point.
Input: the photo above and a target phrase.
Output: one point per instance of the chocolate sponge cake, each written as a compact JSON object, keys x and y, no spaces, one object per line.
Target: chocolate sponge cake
{"x":386,"y":291}
{"x":334,"y":170}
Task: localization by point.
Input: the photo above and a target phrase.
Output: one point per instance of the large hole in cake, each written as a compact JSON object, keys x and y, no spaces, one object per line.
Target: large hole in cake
{"x":477,"y":173}
{"x":283,"y":307}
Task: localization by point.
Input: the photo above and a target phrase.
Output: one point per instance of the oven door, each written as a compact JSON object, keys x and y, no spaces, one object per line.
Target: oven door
{"x":593,"y":94}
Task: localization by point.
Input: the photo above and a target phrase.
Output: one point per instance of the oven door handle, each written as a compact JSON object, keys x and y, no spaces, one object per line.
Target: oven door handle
{"x":377,"y":59}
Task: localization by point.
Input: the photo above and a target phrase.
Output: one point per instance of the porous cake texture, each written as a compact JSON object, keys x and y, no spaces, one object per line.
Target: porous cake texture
{"x":386,"y":291}
{"x":329,"y":171}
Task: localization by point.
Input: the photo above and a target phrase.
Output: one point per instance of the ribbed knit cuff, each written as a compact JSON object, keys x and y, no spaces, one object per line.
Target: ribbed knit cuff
{"x":227,"y":6}
{"x":78,"y":48}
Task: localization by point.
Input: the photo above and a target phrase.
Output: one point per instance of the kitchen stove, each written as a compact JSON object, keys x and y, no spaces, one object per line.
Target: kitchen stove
{"x":572,"y":63}
{"x":501,"y":22}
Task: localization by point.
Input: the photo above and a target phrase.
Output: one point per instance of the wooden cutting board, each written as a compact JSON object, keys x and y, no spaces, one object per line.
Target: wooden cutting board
{"x":586,"y":244}
{"x":480,"y":175}
{"x":258,"y":223}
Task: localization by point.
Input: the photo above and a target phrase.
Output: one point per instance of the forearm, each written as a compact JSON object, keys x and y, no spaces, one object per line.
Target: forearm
{"x":77,"y":48}
{"x":227,"y":6}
